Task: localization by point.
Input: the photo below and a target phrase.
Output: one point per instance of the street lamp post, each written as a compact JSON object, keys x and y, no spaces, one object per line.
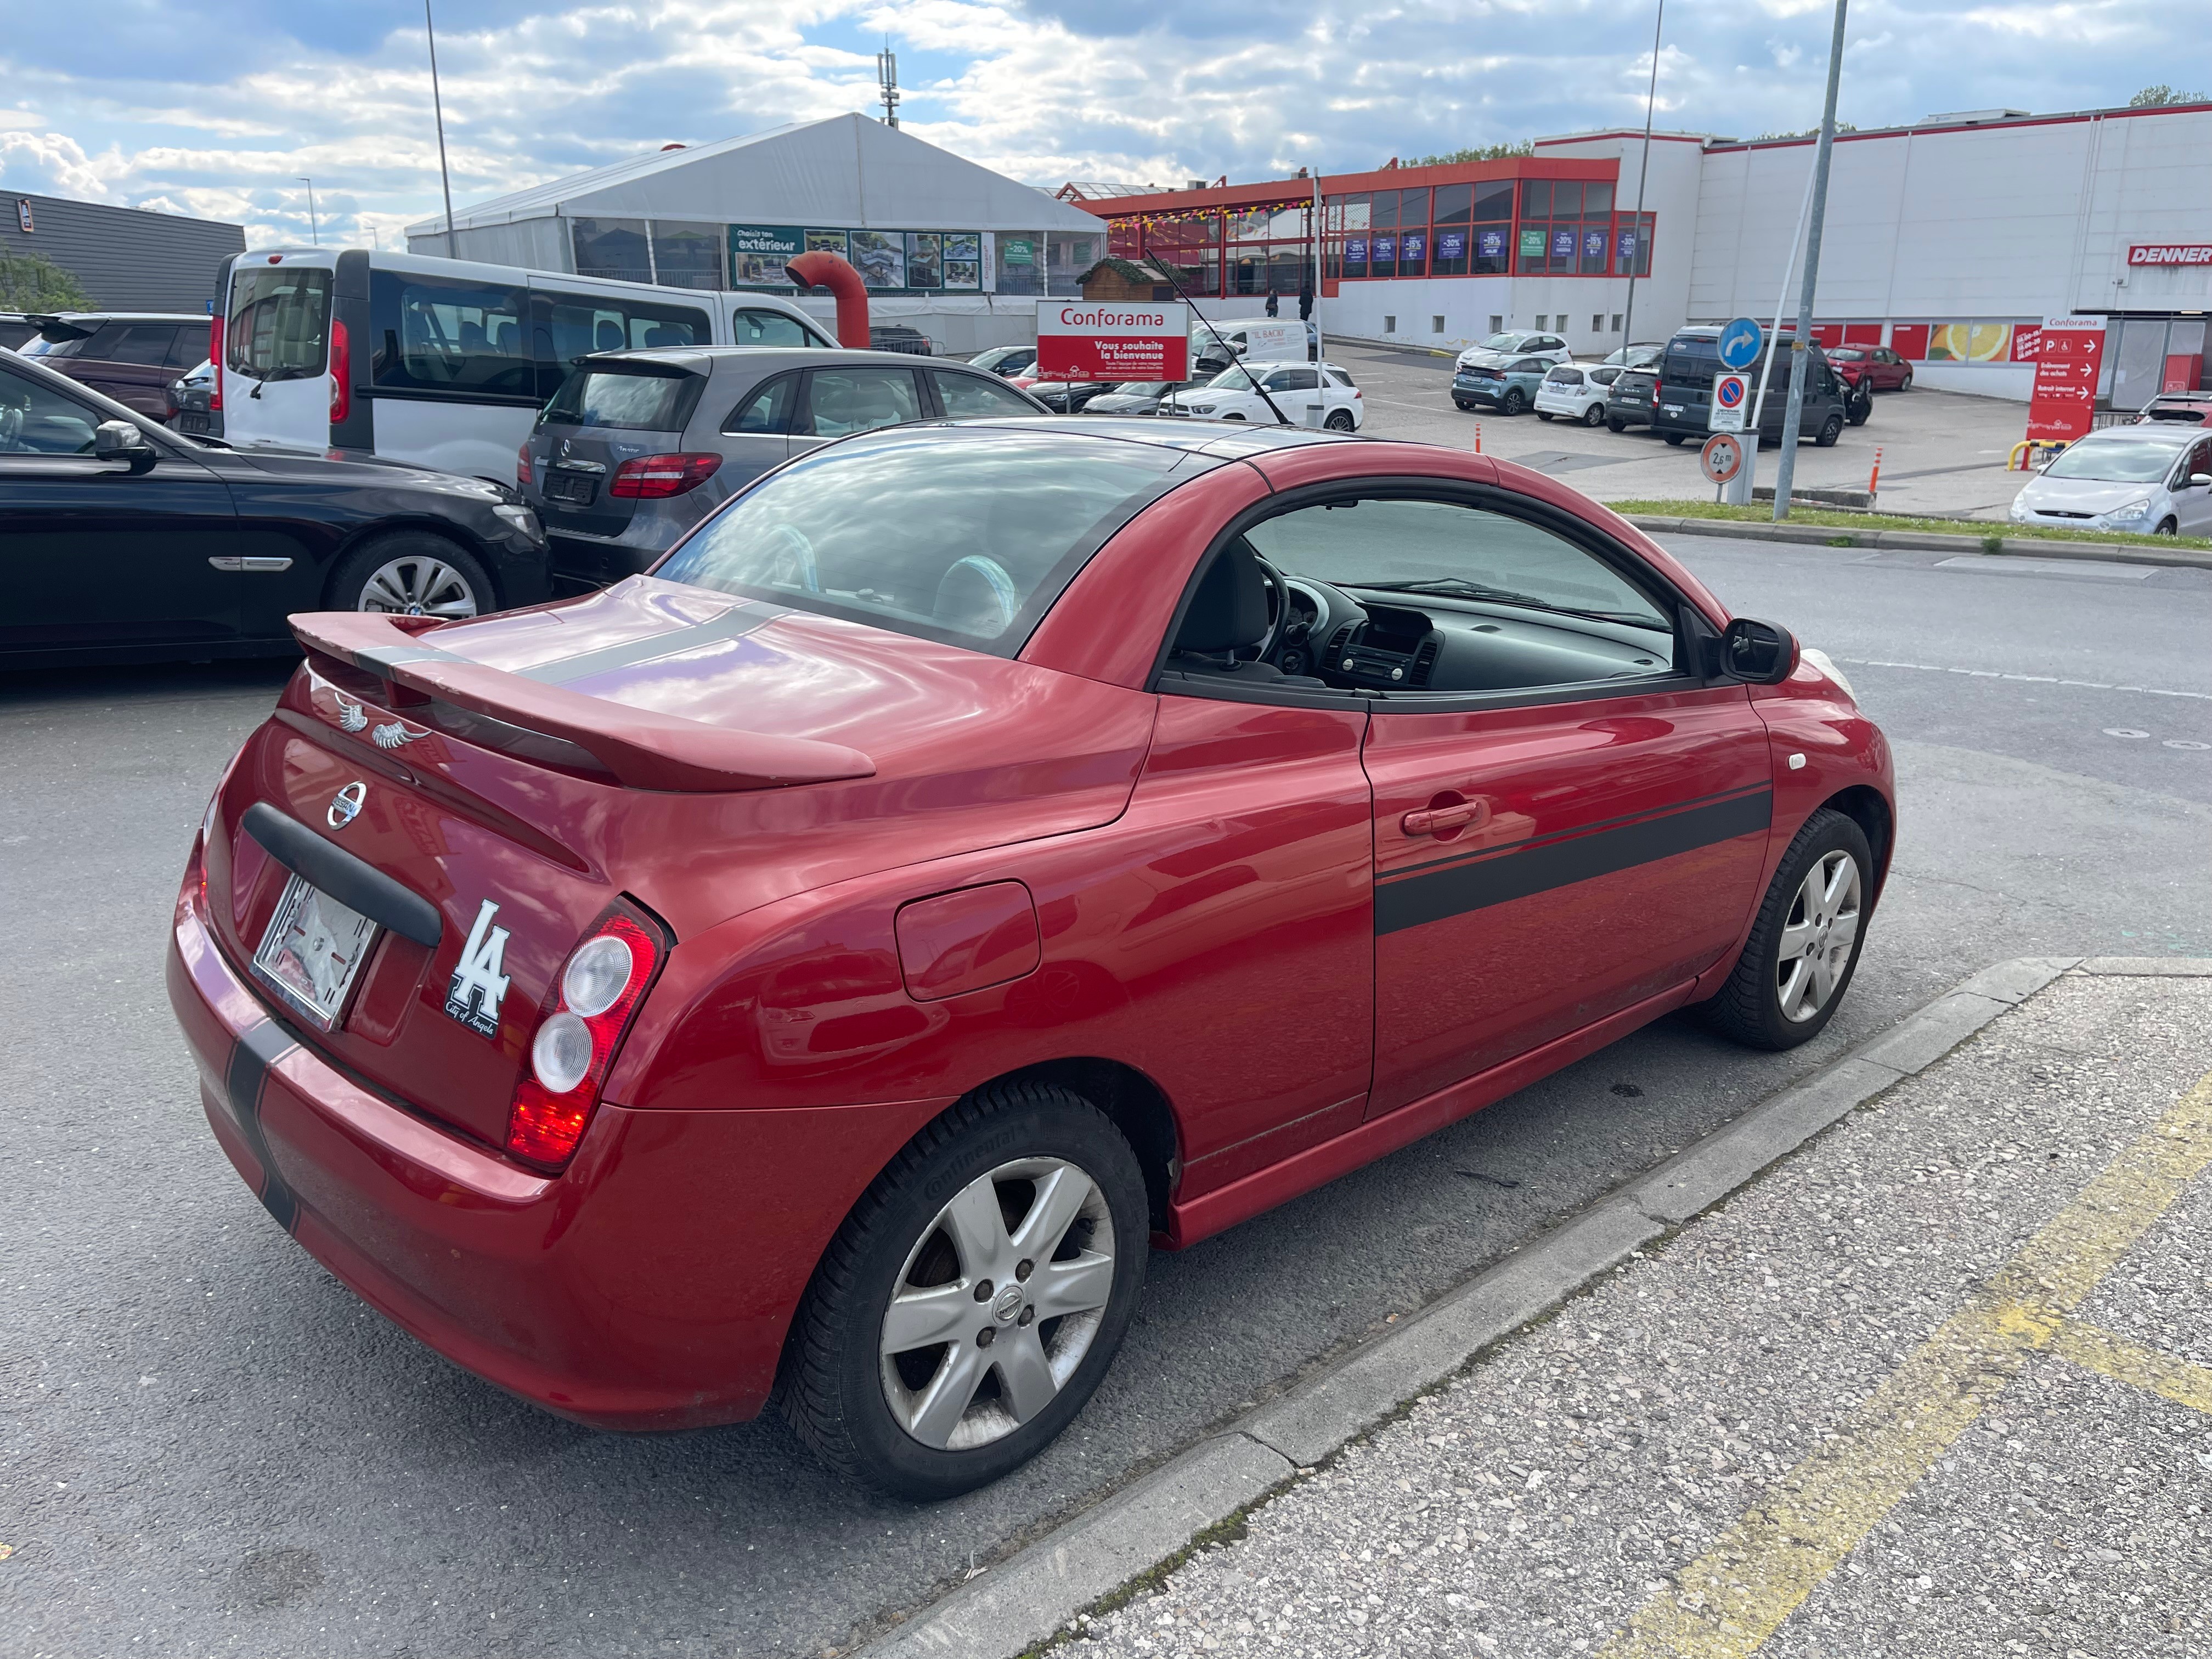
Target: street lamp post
{"x":1800,"y":356}
{"x":438,"y":109}
{"x":314,"y":230}
{"x":1643,"y":171}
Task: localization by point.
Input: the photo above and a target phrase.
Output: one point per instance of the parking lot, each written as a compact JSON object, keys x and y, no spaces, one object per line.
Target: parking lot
{"x":215,"y":1447}
{"x":1943,"y":453}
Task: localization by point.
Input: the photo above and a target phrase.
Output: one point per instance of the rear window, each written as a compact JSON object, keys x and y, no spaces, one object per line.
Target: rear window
{"x":962,"y":535}
{"x":625,"y":400}
{"x":1565,"y":376}
{"x":280,"y":322}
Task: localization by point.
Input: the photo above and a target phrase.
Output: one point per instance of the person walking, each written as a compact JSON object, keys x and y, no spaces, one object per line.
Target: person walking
{"x":1271,"y":303}
{"x":1305,"y":300}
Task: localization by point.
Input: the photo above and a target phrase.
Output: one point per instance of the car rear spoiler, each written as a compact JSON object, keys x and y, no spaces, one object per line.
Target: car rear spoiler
{"x":642,"y":749}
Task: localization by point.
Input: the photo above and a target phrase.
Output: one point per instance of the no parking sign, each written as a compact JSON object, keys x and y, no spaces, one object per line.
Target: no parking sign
{"x":1731,"y":401}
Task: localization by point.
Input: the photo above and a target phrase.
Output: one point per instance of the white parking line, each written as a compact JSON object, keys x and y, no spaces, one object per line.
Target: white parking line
{"x":2031,"y":680}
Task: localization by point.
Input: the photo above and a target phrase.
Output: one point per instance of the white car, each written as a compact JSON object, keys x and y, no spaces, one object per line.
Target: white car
{"x":1517,"y":344}
{"x":2154,"y":480}
{"x":1575,"y":394}
{"x":1233,"y":395}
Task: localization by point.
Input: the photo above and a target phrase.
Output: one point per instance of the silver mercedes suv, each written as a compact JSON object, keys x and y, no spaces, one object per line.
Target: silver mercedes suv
{"x":637,"y":447}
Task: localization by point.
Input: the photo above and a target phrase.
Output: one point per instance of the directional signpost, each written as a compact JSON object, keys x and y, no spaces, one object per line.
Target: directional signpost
{"x":1738,"y":346}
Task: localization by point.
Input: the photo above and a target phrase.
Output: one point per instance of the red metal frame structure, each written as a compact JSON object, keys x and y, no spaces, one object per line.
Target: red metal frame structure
{"x":1522,"y":216}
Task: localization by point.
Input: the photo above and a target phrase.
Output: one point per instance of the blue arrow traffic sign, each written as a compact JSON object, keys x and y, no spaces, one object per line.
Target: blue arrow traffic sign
{"x":1739,"y":343}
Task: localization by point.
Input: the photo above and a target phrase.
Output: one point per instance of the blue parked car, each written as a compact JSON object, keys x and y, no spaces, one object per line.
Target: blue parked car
{"x":1506,"y":385}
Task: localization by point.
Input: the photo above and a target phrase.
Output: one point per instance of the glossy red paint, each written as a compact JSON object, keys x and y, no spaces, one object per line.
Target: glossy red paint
{"x":1215,"y":906}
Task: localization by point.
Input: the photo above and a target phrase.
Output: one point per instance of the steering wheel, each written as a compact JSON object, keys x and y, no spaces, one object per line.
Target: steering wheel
{"x":793,"y":566}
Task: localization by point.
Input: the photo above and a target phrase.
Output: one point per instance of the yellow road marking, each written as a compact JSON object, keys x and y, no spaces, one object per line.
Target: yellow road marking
{"x":1733,"y":1597}
{"x":2099,"y":1350}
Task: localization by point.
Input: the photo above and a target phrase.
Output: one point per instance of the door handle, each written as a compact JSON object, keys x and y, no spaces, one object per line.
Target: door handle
{"x":1431,"y":820}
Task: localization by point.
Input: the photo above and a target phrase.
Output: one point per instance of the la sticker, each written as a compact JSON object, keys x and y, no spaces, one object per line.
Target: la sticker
{"x":473,"y":996}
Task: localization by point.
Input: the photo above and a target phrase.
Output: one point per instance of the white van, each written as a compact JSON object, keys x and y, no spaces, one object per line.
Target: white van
{"x":443,"y":363}
{"x":1261,"y":339}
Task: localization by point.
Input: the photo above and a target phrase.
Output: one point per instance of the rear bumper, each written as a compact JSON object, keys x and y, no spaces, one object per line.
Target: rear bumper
{"x":647,"y":1287}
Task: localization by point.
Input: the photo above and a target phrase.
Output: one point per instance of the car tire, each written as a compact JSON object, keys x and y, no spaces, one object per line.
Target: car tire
{"x":1543,"y":414}
{"x":1775,"y":998}
{"x":412,"y":573}
{"x":1906,"y":384}
{"x":2166,"y":527}
{"x":1593,"y":415}
{"x":1339,"y":420}
{"x":1831,"y":430}
{"x":1616,"y":426}
{"x":1463,"y":404}
{"x":1513,"y":403}
{"x":853,"y":1404}
{"x":1673,"y":438}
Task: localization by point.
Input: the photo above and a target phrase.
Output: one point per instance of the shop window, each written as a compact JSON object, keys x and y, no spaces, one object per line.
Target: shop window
{"x":1632,"y":245}
{"x":616,"y":248}
{"x":687,"y":256}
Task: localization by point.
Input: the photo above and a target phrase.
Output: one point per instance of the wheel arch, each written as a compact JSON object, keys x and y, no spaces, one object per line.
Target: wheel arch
{"x":415,"y":524}
{"x":1866,"y":806}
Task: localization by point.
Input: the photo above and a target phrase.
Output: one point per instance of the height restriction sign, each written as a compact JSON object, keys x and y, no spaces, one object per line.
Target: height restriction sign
{"x":1722,"y":457}
{"x":1730,"y":401}
{"x":1106,"y":340}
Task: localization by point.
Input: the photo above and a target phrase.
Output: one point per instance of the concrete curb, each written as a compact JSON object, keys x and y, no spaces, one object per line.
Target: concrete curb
{"x":1822,"y":535}
{"x":1025,"y":1600}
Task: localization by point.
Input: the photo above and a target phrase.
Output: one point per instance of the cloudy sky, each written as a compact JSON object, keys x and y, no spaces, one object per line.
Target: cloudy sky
{"x":217,"y":107}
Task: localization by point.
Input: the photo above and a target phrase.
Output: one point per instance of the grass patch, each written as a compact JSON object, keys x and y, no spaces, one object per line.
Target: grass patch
{"x":1990,"y":535}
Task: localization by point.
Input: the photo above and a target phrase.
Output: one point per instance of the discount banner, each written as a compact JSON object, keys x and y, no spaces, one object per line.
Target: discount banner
{"x":2069,"y":353}
{"x":1107,"y":340}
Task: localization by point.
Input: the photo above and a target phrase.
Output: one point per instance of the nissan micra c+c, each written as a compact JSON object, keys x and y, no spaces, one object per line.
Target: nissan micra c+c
{"x":823,"y":967}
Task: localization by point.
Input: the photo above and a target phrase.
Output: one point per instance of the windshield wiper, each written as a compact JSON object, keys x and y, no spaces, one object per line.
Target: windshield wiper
{"x":1459,"y":587}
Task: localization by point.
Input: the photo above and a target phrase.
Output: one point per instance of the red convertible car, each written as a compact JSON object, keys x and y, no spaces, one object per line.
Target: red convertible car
{"x":978,"y":854}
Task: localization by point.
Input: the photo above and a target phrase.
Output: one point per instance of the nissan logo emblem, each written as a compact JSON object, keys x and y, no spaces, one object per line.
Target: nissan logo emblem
{"x":345,"y":806}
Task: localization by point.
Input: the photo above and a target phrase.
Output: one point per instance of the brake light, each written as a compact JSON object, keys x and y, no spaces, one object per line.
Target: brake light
{"x":341,"y":373}
{"x":523,"y":472}
{"x":600,"y":987}
{"x":655,"y":476}
{"x":215,"y":358}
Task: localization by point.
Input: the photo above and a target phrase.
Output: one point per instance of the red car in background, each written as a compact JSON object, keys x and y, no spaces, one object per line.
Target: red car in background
{"x":978,"y":854}
{"x":1882,"y":369}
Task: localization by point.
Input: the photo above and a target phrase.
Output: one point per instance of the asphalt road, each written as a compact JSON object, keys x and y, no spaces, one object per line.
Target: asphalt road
{"x":211,"y":1447}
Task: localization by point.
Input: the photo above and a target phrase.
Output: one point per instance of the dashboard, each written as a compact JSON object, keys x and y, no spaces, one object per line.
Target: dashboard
{"x":1356,"y":639}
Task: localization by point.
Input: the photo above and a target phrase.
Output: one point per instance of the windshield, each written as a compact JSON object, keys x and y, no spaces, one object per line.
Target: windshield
{"x":2114,"y":460}
{"x":1236,"y":378}
{"x":1502,"y":342}
{"x":963,"y":535}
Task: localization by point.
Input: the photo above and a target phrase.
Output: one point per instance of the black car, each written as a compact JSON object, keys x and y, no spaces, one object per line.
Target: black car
{"x":1066,"y":397}
{"x":1684,"y":401}
{"x":121,"y":541}
{"x":1135,"y":397}
{"x":1634,"y":395}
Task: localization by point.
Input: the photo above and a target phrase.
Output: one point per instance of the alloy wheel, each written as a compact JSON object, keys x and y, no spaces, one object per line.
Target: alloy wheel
{"x":997,"y":1304}
{"x":1817,"y":936}
{"x":418,"y":585}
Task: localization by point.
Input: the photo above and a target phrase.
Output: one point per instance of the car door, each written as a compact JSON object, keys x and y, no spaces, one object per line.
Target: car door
{"x":755,"y":433}
{"x":1298,"y":393}
{"x":852,"y":397}
{"x":1551,"y":853}
{"x":2192,"y":503}
{"x":134,"y":554}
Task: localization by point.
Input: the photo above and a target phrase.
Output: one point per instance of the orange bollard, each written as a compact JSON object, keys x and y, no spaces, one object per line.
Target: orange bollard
{"x":1478,"y":437}
{"x":1874,"y":480}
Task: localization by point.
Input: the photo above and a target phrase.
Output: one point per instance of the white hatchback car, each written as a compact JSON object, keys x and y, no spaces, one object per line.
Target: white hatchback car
{"x":1516,"y":343}
{"x":1573,"y":392}
{"x":1233,"y":395}
{"x":2154,"y":480}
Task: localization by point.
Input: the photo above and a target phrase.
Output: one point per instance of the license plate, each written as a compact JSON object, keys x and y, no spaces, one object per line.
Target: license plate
{"x":1672,"y":409}
{"x":313,"y":952}
{"x":571,"y":487}
{"x":193,"y":425}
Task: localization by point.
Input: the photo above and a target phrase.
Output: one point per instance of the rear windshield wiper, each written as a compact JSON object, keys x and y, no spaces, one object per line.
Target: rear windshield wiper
{"x":1459,"y":587}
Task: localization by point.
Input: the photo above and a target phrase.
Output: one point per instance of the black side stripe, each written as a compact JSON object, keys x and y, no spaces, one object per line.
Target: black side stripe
{"x":1540,"y":868}
{"x":733,"y":624}
{"x":260,"y":1047}
{"x":1474,"y":852}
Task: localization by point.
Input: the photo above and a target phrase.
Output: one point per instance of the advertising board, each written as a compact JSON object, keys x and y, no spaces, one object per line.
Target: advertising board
{"x":1106,"y":340}
{"x":2069,"y":352}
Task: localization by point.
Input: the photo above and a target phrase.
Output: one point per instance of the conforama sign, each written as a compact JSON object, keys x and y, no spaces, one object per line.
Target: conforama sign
{"x":1102,"y":340}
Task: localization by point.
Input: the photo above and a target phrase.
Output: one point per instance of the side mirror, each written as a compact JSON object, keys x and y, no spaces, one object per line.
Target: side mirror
{"x":120,"y":441}
{"x":1758,"y":652}
{"x":2199,"y":480}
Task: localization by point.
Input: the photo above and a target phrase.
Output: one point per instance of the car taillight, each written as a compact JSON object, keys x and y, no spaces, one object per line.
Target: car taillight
{"x":600,"y":985}
{"x":341,"y":373}
{"x":215,"y":357}
{"x":523,"y":472}
{"x":654,"y":475}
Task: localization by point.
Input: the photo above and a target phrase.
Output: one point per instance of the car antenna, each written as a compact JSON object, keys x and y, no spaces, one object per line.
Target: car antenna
{"x":1168,"y":271}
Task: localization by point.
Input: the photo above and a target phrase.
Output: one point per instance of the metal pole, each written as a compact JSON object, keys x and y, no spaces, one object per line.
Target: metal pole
{"x":314,"y":231}
{"x":1643,"y":171}
{"x":1788,"y":269}
{"x":1321,"y":343}
{"x":438,"y":109}
{"x":1800,"y":355}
